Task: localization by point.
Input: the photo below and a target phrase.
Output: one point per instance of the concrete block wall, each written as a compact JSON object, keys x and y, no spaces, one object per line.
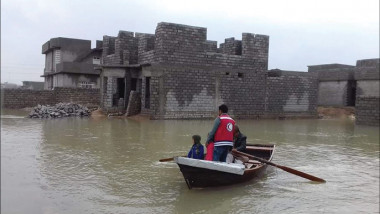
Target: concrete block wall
{"x":336,"y":74}
{"x":21,"y":98}
{"x":108,"y":45}
{"x":336,"y":84}
{"x":367,"y":73}
{"x":367,"y":76}
{"x":292,"y":94}
{"x":368,"y":88}
{"x":188,"y":92}
{"x":108,"y":91}
{"x":317,"y":68}
{"x":231,"y":46}
{"x":177,"y":43}
{"x":234,"y":62}
{"x":134,"y":104}
{"x":183,"y":93}
{"x":333,"y":93}
{"x":211,"y":46}
{"x":190,"y":77}
{"x":367,"y":110}
{"x":185,"y":45}
{"x":144,"y":109}
{"x":77,"y":95}
{"x":146,"y":57}
{"x":120,"y":50}
{"x":256,"y":46}
{"x":126,"y":43}
{"x":145,"y":42}
{"x":243,"y":91}
{"x":368,"y":63}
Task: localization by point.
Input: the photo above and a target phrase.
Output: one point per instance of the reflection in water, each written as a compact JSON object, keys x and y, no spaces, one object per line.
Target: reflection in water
{"x":76,"y":165}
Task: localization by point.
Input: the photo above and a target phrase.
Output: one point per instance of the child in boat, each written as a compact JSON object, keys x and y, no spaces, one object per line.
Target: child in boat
{"x":196,"y":151}
{"x":210,"y":150}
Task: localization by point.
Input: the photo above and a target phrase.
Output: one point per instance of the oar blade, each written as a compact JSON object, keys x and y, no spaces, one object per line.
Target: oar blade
{"x":166,"y":159}
{"x":301,"y":174}
{"x":287,"y":169}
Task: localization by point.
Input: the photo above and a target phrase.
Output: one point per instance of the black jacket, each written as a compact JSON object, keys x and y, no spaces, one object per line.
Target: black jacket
{"x":240,"y":142}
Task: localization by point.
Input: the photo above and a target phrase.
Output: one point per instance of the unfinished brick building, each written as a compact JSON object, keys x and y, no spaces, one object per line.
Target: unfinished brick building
{"x":177,"y":73}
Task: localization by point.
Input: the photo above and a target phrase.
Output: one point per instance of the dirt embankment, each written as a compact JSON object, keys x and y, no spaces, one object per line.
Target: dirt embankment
{"x":98,"y":114}
{"x":336,"y":112}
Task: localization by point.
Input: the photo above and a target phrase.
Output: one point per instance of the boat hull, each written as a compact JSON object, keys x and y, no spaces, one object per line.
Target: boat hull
{"x":204,"y":177}
{"x":199,"y":177}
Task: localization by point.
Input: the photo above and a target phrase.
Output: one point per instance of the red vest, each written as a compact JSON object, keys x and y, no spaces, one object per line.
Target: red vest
{"x":224,"y":135}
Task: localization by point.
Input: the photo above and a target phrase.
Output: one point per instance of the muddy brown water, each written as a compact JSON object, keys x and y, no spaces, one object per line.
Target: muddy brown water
{"x":105,"y":165}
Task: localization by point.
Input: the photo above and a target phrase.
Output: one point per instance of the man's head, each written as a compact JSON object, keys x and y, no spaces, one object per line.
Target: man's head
{"x":223,"y":109}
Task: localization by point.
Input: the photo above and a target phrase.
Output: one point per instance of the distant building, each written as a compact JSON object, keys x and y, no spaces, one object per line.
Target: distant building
{"x":340,"y":85}
{"x":8,"y":85}
{"x":71,"y":63}
{"x":32,"y":85}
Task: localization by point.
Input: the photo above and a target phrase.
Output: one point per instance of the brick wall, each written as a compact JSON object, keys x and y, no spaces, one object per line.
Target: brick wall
{"x":21,"y":98}
{"x":294,"y":94}
{"x":145,"y":42}
{"x":186,"y":45}
{"x":196,"y":92}
{"x":231,"y":46}
{"x":336,"y":74}
{"x":146,"y":57}
{"x":211,"y":46}
{"x":185,"y":93}
{"x":134,"y":104}
{"x":190,"y":77}
{"x":368,"y":62}
{"x":367,"y":110}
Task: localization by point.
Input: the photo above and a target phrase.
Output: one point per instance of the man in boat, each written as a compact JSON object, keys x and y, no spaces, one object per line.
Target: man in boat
{"x":240,"y":140}
{"x":197,"y":150}
{"x":222,"y":134}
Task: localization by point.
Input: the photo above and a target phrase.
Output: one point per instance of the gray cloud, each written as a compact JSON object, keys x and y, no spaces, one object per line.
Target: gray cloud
{"x":301,"y":32}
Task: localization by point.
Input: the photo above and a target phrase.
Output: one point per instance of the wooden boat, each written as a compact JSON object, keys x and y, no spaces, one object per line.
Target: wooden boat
{"x":202,"y":173}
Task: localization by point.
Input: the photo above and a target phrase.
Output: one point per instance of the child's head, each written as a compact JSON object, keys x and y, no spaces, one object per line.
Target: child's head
{"x":196,"y":139}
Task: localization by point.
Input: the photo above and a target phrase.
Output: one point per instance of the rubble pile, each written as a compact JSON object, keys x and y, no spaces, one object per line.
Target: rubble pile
{"x":59,"y":110}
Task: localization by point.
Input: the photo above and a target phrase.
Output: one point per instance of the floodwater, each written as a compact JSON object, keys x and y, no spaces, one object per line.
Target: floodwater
{"x":110,"y":165}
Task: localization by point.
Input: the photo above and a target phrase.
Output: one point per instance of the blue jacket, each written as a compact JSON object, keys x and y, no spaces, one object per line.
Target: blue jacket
{"x":196,"y":151}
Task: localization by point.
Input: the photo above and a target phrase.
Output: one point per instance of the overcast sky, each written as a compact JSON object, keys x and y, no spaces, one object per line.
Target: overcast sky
{"x":302,"y":32}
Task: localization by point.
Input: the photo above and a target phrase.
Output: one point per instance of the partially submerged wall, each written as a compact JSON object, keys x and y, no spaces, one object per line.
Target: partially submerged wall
{"x":333,"y":93}
{"x":367,"y":93}
{"x":184,"y":92}
{"x":367,"y":110}
{"x":292,"y":94}
{"x":336,"y":84}
{"x":368,"y":77}
{"x":21,"y":98}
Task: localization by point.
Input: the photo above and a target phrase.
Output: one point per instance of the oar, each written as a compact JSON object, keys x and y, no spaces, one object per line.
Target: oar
{"x":168,"y":159}
{"x":290,"y":170}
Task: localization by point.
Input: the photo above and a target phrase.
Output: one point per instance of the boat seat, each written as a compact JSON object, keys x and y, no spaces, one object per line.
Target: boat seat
{"x":254,"y":162}
{"x":249,"y":166}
